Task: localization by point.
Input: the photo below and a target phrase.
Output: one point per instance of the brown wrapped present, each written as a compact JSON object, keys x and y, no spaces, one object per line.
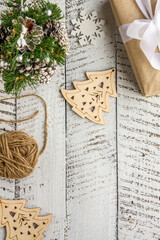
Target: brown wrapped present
{"x":148,"y":78}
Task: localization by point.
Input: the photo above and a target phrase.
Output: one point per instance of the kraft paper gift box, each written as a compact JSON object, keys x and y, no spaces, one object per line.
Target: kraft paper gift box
{"x":148,"y":78}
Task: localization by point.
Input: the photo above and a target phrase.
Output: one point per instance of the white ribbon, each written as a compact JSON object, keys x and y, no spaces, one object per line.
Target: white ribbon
{"x":146,"y":30}
{"x":21,"y":41}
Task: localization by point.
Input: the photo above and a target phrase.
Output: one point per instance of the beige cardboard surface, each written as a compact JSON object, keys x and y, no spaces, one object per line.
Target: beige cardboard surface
{"x":148,"y":78}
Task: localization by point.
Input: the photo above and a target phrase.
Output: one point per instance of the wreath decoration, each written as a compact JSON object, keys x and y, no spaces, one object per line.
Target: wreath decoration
{"x":33,"y":42}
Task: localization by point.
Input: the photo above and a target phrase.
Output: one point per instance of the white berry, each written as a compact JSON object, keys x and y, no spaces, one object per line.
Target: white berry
{"x":20,"y":58}
{"x":49,"y":12}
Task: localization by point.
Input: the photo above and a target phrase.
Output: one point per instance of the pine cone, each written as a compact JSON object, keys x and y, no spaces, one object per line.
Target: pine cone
{"x":31,"y":3}
{"x":32,"y":34}
{"x":32,"y":67}
{"x":25,"y":70}
{"x":46,"y":74}
{"x":55,"y":29}
{"x":4,"y":33}
{"x":45,"y":71}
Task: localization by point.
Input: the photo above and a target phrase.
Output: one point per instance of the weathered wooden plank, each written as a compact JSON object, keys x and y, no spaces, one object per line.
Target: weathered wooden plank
{"x":91,"y":149}
{"x":138,"y":156}
{"x":46,"y":186}
{"x":7,"y":111}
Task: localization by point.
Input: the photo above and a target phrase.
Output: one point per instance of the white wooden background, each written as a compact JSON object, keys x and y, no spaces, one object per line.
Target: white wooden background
{"x":100,"y":182}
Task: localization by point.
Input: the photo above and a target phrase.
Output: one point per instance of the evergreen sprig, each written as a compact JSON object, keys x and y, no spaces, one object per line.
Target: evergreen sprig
{"x":14,"y":82}
{"x":39,"y":13}
{"x":49,"y":47}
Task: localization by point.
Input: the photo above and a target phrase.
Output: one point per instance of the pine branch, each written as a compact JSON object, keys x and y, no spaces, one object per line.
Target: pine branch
{"x":14,"y":82}
{"x":40,"y":15}
{"x":49,"y":47}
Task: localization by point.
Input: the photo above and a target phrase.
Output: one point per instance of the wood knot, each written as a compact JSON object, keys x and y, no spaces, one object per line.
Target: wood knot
{"x":19,"y":154}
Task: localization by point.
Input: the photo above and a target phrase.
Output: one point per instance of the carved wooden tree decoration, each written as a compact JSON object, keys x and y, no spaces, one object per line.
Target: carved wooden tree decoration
{"x":22,"y":223}
{"x":91,"y":97}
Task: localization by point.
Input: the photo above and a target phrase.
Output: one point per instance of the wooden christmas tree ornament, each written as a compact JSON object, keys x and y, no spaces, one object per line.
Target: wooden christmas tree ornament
{"x":91,"y":97}
{"x":19,"y":153}
{"x":22,"y":223}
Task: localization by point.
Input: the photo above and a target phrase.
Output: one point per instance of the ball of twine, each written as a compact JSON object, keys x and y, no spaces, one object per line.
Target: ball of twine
{"x":19,"y":154}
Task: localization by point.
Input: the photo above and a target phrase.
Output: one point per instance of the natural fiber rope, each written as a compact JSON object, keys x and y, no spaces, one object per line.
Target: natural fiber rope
{"x":19,"y":152}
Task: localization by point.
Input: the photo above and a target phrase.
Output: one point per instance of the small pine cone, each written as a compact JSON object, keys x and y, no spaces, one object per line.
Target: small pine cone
{"x":45,"y":71}
{"x":25,"y":70}
{"x":31,"y":3}
{"x":46,"y":74}
{"x":49,"y":28}
{"x":33,"y":34}
{"x":57,"y":30}
{"x":4,"y":33}
{"x":31,"y":67}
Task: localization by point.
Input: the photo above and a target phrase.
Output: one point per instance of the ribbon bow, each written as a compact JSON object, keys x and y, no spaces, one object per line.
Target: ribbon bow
{"x":147,"y":30}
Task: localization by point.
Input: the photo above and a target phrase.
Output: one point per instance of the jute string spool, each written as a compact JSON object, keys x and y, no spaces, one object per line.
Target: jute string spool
{"x":19,"y":152}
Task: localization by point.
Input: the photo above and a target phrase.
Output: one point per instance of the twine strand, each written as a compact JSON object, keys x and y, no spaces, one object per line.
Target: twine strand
{"x":29,"y":118}
{"x":19,"y":152}
{"x":19,"y":121}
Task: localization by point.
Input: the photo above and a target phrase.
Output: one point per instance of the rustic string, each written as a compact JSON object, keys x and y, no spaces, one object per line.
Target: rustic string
{"x":19,"y":152}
